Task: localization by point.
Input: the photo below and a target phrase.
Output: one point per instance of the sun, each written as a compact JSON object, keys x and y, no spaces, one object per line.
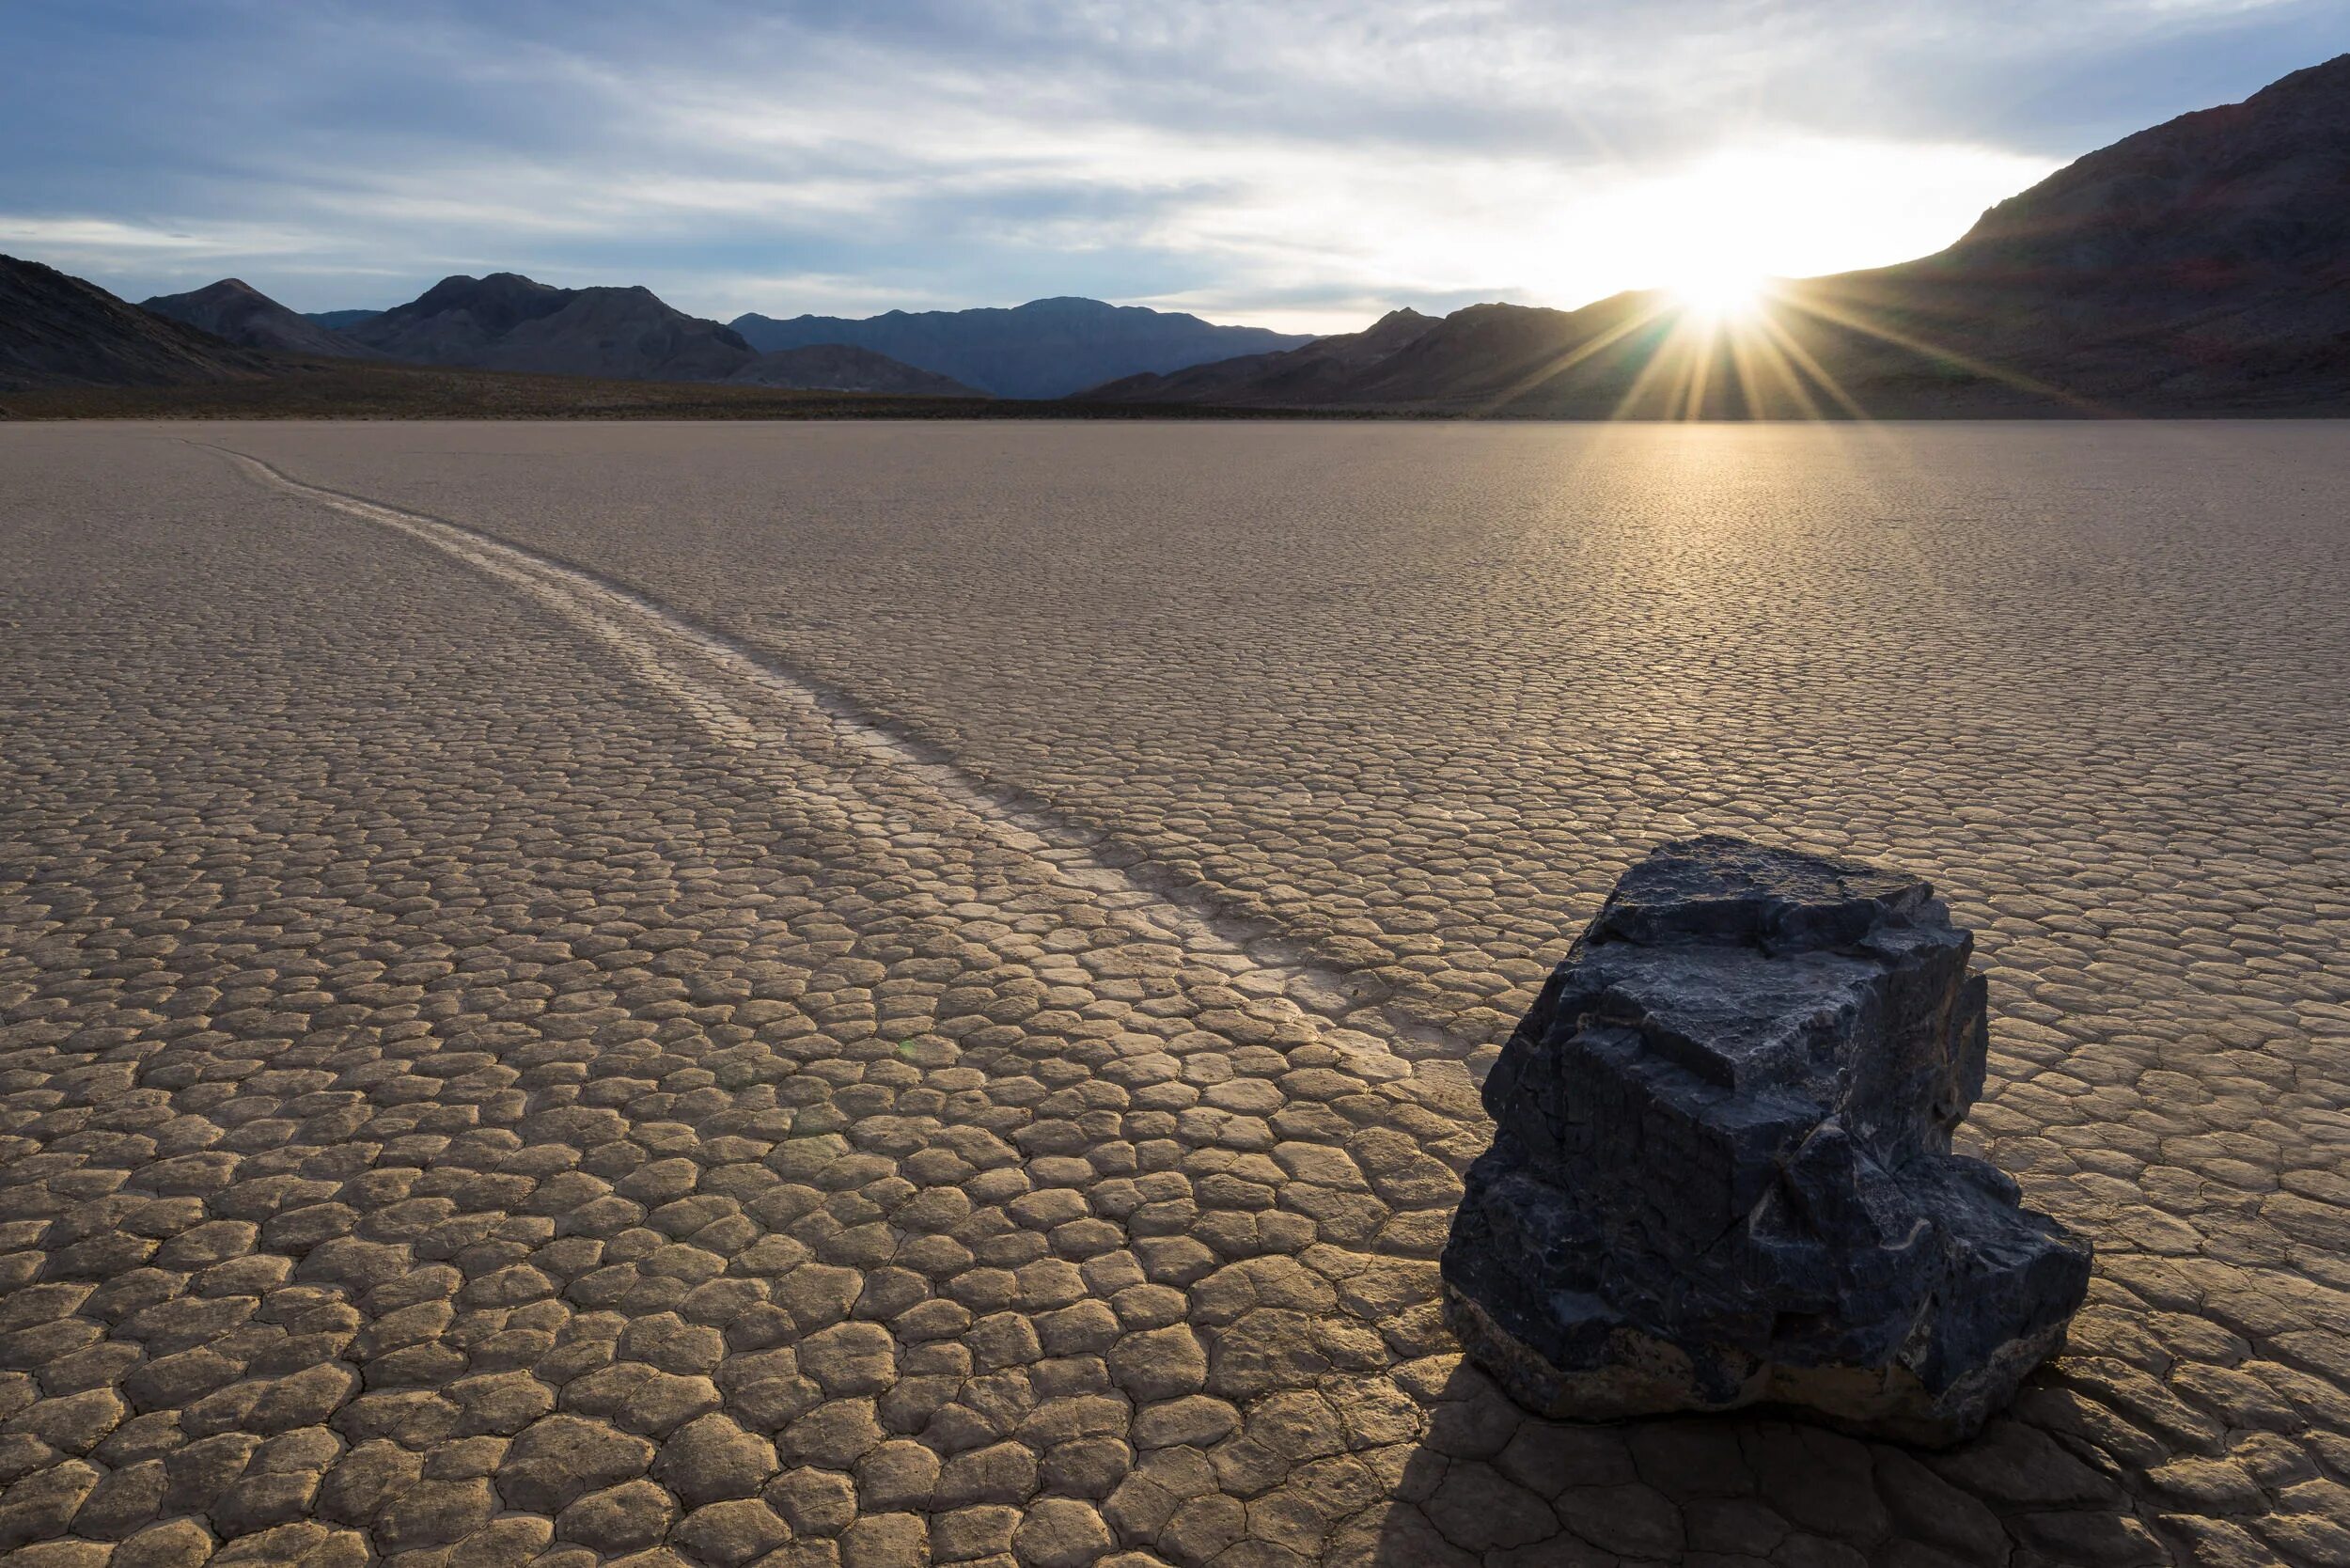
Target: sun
{"x":1720,"y":293}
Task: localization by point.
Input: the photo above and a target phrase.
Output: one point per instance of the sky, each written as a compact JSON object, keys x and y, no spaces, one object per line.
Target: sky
{"x":1304,"y":164}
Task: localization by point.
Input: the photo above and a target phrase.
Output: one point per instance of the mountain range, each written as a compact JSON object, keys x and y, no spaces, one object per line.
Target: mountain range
{"x":2202,"y":265}
{"x":1043,"y":348}
{"x":508,"y":323}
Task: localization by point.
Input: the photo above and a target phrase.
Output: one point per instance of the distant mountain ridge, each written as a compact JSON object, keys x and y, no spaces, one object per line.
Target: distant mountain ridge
{"x":1323,"y":368}
{"x":1043,"y":348}
{"x":60,"y":331}
{"x":340,"y":321}
{"x":57,"y":330}
{"x":838,"y":368}
{"x":507,"y":321}
{"x":234,"y":309}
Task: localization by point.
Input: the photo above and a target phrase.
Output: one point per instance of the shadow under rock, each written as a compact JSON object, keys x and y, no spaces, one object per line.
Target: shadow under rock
{"x":1490,"y":1486}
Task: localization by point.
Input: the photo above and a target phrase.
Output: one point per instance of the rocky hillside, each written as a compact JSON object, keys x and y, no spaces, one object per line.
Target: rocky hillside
{"x":1325,"y":367}
{"x":838,"y":368}
{"x":506,"y":322}
{"x":1043,"y":348}
{"x":57,"y":330}
{"x":241,"y":313}
{"x":2248,"y":196}
{"x":339,"y":320}
{"x":2207,"y":254}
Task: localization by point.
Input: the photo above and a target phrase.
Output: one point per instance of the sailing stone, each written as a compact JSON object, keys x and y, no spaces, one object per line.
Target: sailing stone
{"x":1721,"y":1171}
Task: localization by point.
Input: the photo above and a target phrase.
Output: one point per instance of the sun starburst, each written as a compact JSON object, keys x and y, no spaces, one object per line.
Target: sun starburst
{"x":1720,"y":293}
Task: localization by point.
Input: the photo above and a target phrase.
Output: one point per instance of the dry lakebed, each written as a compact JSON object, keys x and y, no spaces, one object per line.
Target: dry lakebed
{"x":860,"y":995}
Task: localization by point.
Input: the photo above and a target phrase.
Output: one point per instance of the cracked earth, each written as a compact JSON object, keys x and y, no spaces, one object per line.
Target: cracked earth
{"x":843,"y":997}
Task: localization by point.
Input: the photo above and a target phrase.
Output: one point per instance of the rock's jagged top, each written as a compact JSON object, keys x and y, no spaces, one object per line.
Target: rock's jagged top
{"x":1727,"y":890}
{"x":1721,"y":1171}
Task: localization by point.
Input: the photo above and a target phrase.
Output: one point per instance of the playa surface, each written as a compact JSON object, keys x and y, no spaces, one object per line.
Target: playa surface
{"x":852,"y":995}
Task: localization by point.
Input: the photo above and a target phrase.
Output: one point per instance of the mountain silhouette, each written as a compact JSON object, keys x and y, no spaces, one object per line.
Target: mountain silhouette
{"x":57,"y":330}
{"x":1324,"y":368}
{"x":838,"y":368}
{"x":506,"y":322}
{"x":241,"y":313}
{"x":339,"y":320}
{"x":60,"y":331}
{"x":1044,"y":349}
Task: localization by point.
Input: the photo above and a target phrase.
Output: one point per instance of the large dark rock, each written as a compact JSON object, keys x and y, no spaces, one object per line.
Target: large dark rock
{"x":1721,"y":1170}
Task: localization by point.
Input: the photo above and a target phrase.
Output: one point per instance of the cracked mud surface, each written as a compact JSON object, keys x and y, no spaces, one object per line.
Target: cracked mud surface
{"x":859,"y":996}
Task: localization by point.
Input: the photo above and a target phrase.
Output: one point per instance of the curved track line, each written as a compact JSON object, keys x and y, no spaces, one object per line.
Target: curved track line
{"x":696,"y":668}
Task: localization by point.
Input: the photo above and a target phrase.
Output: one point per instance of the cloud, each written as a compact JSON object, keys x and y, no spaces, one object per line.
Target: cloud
{"x":1303,"y":163}
{"x":106,"y":236}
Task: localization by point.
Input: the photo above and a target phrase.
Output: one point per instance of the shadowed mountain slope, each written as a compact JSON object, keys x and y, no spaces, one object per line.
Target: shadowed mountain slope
{"x":1043,"y":348}
{"x":2207,"y":256}
{"x":1323,"y":368}
{"x":2245,"y":196}
{"x":838,"y":368}
{"x":2201,"y":265}
{"x":57,"y":330}
{"x":506,"y":322}
{"x":241,"y":313}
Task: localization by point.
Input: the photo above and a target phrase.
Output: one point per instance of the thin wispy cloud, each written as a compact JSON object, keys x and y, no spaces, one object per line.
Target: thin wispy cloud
{"x":1296,"y":163}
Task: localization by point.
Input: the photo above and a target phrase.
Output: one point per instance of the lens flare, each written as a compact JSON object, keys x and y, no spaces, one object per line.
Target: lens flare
{"x":1720,"y":294}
